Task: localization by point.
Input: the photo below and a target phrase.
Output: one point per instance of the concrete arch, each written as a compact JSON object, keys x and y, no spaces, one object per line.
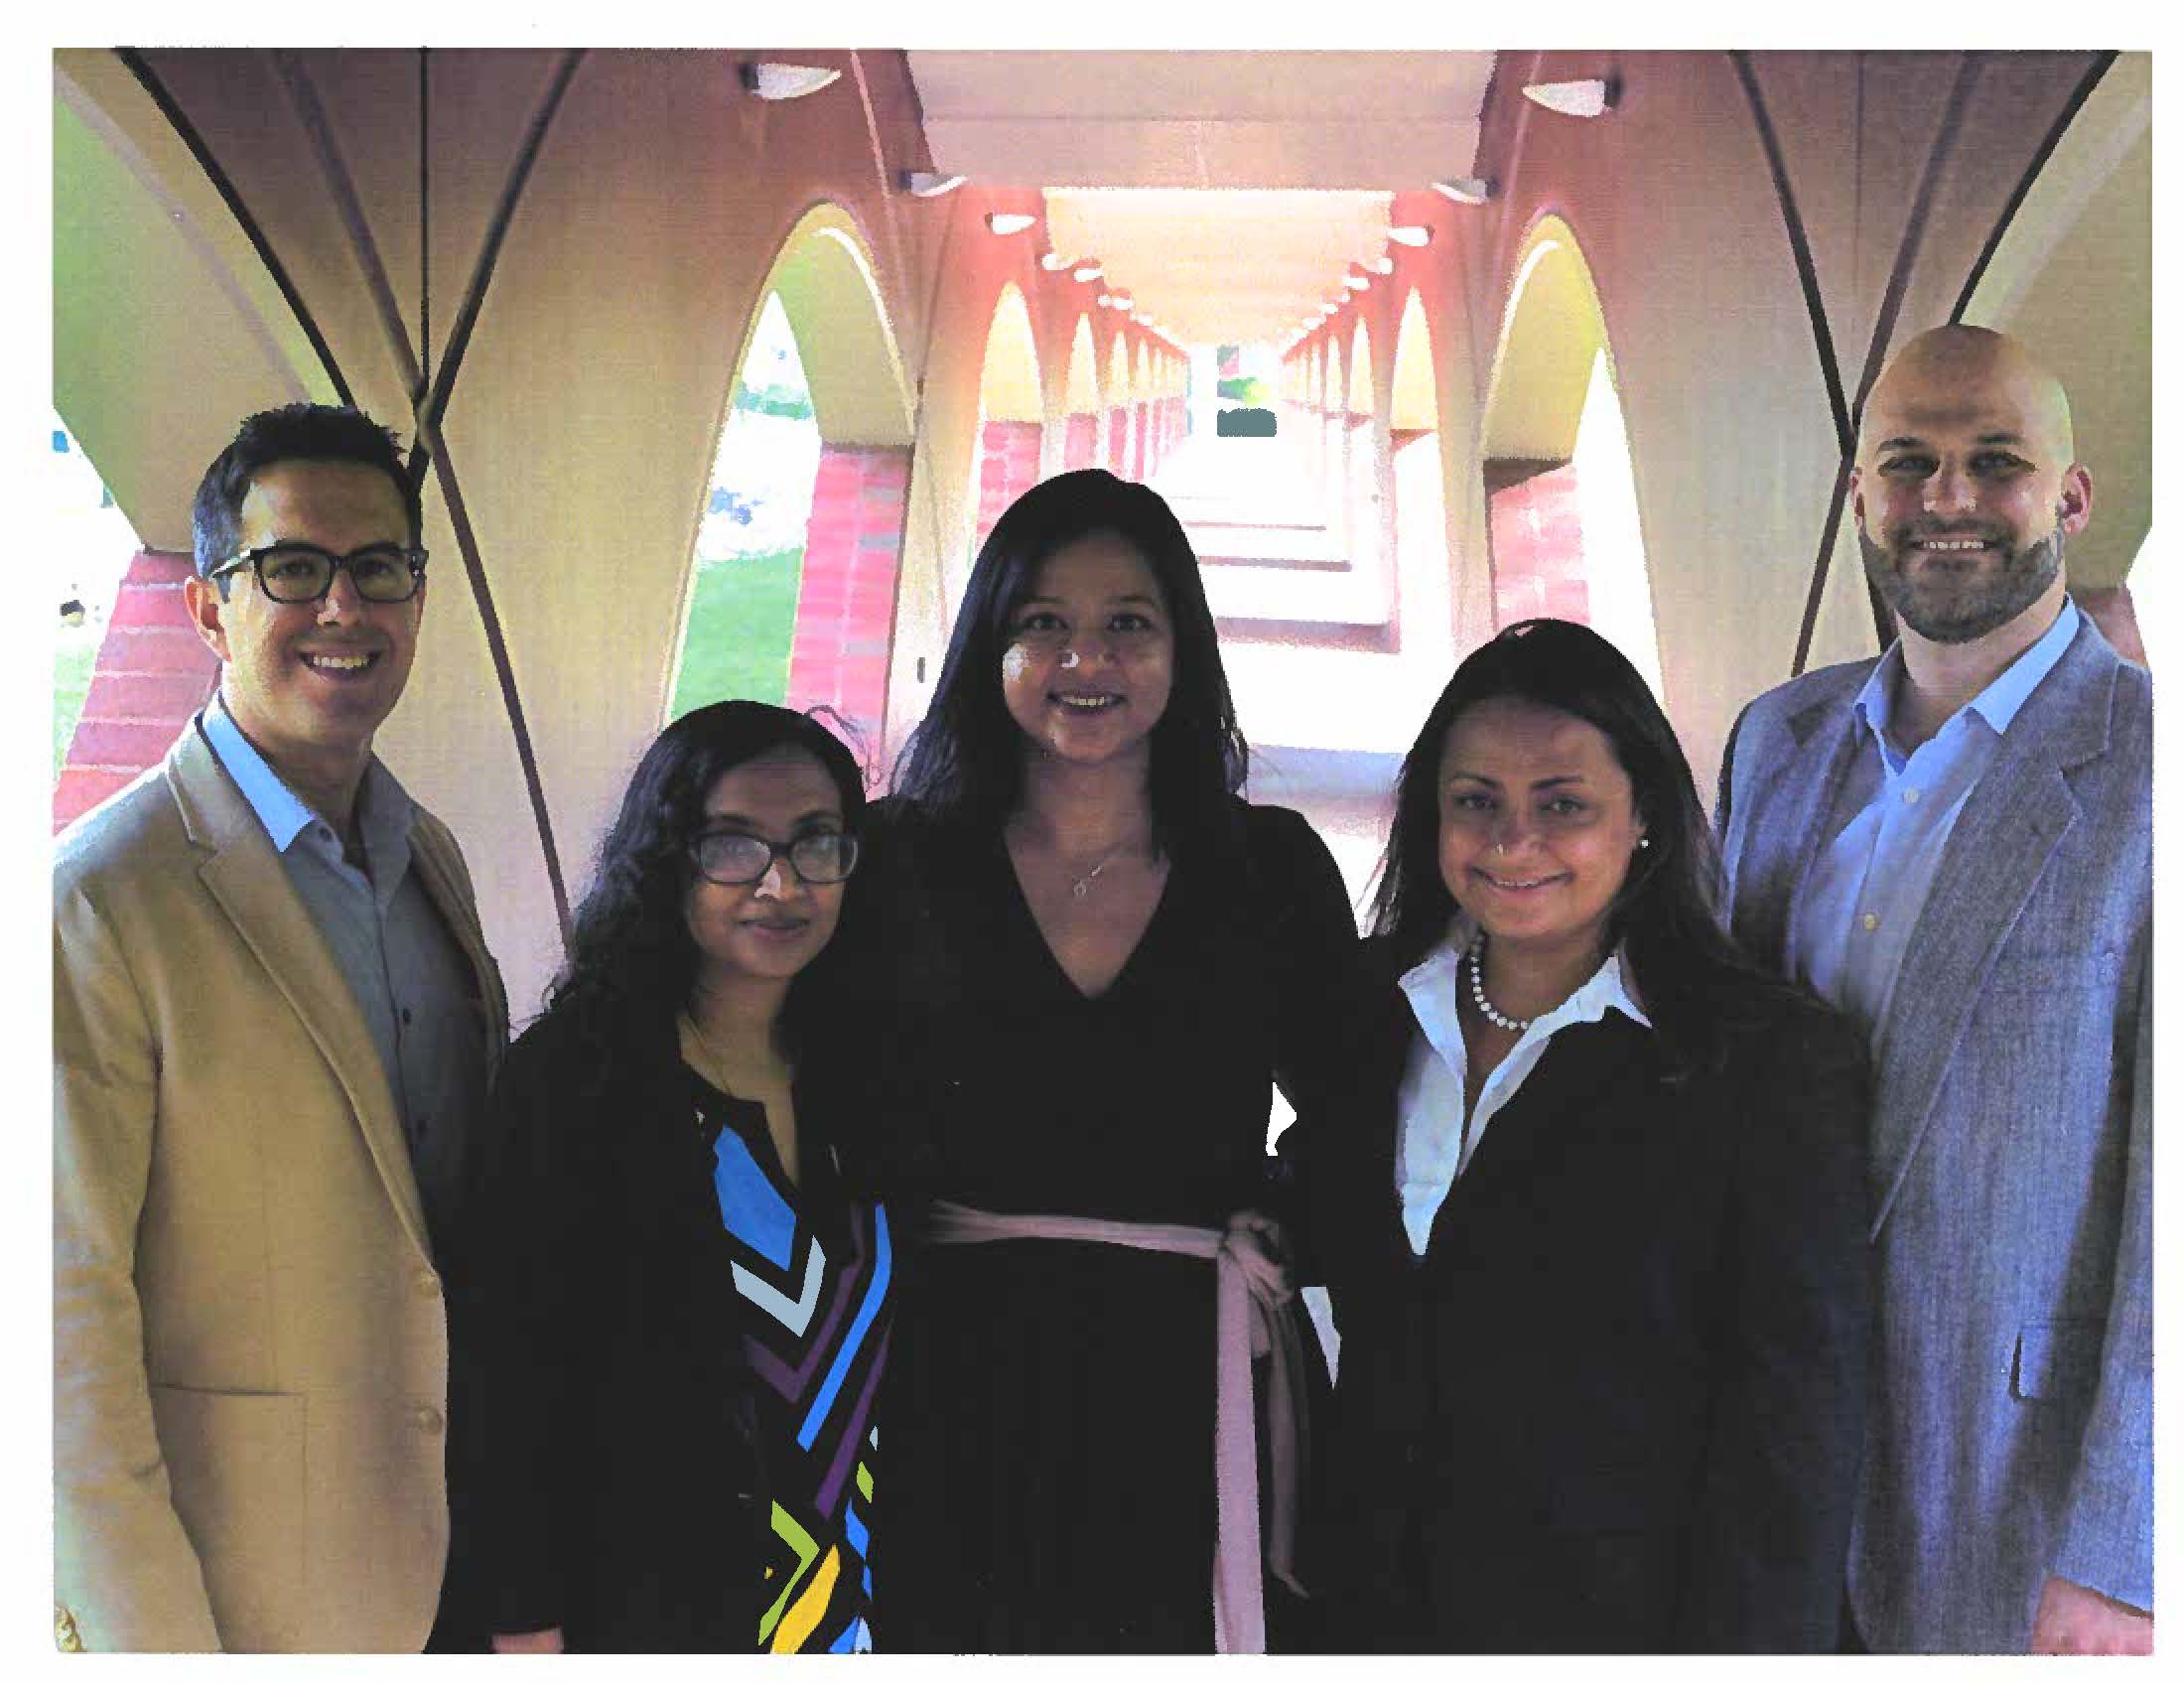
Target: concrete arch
{"x":170,"y":317}
{"x":1564,"y":531}
{"x":823,"y":275}
{"x":1417,"y":492}
{"x":1012,"y":413}
{"x":1008,"y":385}
{"x":838,"y":629}
{"x":1358,"y":371}
{"x":2071,"y":277}
{"x":1081,"y":386}
{"x":1413,"y":401}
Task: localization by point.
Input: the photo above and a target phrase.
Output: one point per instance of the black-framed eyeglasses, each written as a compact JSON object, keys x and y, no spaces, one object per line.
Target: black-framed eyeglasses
{"x":737,"y":858}
{"x":296,"y":572}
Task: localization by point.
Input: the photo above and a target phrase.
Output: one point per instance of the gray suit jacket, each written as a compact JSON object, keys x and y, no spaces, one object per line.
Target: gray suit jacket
{"x":2010,"y":1432}
{"x":250,"y":1346}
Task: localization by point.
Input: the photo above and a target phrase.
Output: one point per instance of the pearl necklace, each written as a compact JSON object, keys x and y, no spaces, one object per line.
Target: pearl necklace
{"x":1494,"y":1015}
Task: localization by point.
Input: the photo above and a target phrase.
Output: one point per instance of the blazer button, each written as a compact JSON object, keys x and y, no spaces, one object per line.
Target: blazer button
{"x":428,"y":1420}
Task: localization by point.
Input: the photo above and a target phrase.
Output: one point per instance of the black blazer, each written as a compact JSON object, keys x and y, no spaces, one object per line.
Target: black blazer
{"x":1617,"y":1405}
{"x":602,"y":1450}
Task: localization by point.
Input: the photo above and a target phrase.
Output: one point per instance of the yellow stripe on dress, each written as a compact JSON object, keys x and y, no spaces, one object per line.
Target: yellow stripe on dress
{"x":810,"y":1606}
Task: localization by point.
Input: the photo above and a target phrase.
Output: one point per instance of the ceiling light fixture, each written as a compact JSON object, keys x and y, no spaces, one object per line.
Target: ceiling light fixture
{"x":1588,"y":99}
{"x":1124,"y":302}
{"x":1466,"y":190}
{"x":1382,"y":265}
{"x":1009,"y":223}
{"x":1104,"y":300}
{"x":772,"y":81}
{"x":1357,"y":283}
{"x":930,"y":184}
{"x":1087,"y":272}
{"x":1054,"y":261}
{"x":1411,"y":234}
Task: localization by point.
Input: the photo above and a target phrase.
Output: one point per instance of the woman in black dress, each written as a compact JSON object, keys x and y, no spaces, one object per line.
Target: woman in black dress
{"x":669,"y":1347}
{"x":1595,"y":1225}
{"x":1103,"y":957}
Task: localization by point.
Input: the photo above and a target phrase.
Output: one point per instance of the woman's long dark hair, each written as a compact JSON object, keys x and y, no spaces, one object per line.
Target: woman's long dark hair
{"x":1696,"y":985}
{"x":964,"y":762}
{"x":631,"y":960}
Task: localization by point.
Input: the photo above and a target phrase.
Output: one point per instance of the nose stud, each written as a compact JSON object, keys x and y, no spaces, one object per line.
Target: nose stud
{"x":1069,"y":660}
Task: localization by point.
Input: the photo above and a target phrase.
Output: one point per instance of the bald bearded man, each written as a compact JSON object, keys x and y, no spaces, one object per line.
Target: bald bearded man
{"x":1953,"y":844}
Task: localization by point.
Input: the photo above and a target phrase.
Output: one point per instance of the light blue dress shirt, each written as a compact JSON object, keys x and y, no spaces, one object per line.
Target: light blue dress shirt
{"x":1888,"y":827}
{"x":1434,"y":1142}
{"x":414,"y":987}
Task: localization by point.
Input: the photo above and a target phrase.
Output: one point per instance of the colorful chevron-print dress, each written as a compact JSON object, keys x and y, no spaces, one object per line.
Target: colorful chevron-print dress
{"x":814,"y":1265}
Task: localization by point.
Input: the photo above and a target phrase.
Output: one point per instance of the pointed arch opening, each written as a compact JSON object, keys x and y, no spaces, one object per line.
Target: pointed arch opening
{"x":1563,"y":528}
{"x":790,"y":595}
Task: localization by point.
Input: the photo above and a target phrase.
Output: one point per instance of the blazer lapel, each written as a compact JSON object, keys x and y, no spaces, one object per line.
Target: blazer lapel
{"x":1580,"y":1063}
{"x":1784,"y":830}
{"x":246,"y":879}
{"x":2016,"y":816}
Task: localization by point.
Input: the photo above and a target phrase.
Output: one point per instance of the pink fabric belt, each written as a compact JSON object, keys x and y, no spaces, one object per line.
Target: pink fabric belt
{"x":1250,"y":1289}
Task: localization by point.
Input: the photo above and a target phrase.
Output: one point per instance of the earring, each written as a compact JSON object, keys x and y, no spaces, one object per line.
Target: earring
{"x":1644,"y":843}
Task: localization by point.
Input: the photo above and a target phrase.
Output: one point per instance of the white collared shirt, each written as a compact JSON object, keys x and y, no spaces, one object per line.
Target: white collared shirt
{"x":1432,"y":1143}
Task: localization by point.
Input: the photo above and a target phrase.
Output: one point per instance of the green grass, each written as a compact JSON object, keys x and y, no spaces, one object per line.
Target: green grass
{"x":73,"y":655}
{"x":742,"y":620}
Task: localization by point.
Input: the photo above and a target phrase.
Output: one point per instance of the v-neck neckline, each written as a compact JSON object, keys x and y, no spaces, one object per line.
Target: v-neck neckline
{"x":1030,"y":922}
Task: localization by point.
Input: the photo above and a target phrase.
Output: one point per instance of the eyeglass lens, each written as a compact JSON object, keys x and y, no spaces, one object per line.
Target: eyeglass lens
{"x":737,"y":858}
{"x":296,"y":574}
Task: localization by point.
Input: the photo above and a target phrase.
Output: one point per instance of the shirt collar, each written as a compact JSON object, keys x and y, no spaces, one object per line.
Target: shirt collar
{"x":385,"y":810}
{"x":2005,"y":695}
{"x":282,"y":813}
{"x":1438,"y":973}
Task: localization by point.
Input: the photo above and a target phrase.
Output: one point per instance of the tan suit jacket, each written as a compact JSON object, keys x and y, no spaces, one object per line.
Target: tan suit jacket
{"x":250,"y":1342}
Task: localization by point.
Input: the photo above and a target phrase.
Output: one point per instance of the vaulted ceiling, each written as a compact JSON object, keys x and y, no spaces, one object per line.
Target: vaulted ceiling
{"x":1227,"y":193}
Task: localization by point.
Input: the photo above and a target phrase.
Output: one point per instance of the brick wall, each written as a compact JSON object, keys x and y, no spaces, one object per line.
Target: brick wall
{"x":152,"y":672}
{"x":1008,"y":468}
{"x":1537,"y":542}
{"x":1081,"y":444}
{"x":845,"y":603}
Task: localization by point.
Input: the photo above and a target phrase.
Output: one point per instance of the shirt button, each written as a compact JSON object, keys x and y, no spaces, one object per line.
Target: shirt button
{"x":405,"y":1017}
{"x":1868,"y":921}
{"x":1912,"y":795}
{"x":428,"y":1420}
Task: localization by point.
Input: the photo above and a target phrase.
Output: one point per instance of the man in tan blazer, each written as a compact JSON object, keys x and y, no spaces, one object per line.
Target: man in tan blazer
{"x":274,"y":1017}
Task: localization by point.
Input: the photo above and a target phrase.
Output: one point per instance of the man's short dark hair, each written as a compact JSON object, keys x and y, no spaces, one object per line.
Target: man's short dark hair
{"x":322,"y":433}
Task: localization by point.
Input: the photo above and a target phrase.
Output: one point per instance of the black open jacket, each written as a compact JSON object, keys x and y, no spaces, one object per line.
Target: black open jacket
{"x":603,"y":1458}
{"x":1617,"y":1404}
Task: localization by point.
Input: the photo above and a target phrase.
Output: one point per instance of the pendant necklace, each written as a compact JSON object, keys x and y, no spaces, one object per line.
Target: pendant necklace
{"x":1078,"y":887}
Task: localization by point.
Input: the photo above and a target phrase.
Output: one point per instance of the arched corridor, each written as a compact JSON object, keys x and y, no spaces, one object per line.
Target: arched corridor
{"x":1516,"y":362}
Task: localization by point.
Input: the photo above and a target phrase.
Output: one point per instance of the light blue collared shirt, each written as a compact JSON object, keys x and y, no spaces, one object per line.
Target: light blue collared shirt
{"x":1888,"y":828}
{"x":415,"y":989}
{"x":1434,"y":1142}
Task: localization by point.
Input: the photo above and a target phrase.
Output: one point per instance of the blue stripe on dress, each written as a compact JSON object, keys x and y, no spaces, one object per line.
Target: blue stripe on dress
{"x":875,"y":1292}
{"x":753,"y":1208}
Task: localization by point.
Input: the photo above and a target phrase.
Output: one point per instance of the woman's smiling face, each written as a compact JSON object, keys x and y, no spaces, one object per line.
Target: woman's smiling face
{"x":1538,"y":823}
{"x":1090,"y":655}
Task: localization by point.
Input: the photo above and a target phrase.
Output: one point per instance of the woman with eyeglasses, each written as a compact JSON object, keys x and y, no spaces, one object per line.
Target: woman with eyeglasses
{"x":1101,"y":958}
{"x":675,"y":1315}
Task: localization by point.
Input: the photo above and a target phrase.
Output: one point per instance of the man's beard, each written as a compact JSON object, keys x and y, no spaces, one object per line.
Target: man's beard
{"x":1953,"y":606}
